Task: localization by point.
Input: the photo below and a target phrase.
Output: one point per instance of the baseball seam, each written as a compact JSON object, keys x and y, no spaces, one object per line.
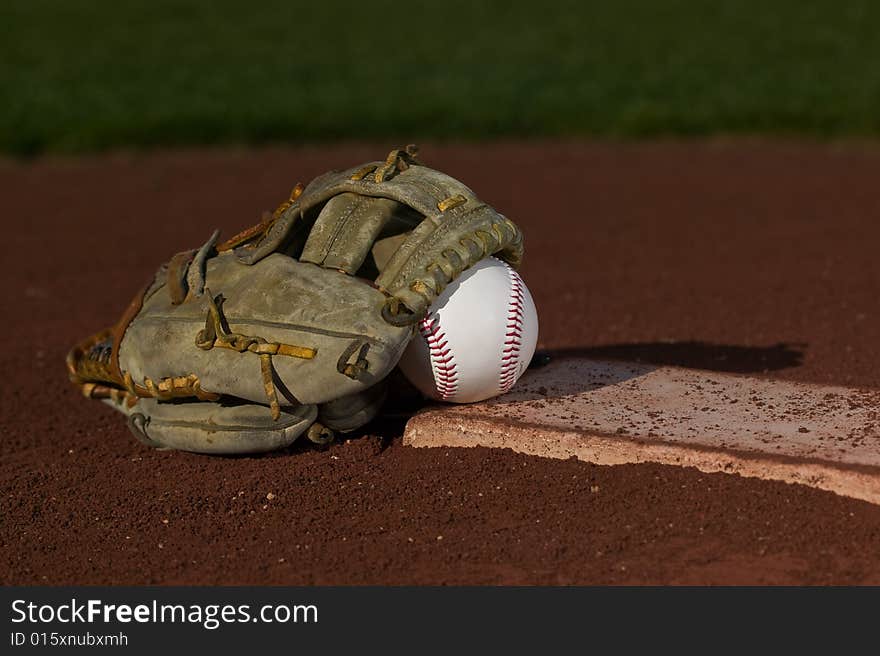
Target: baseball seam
{"x":442,"y":361}
{"x":510,"y":352}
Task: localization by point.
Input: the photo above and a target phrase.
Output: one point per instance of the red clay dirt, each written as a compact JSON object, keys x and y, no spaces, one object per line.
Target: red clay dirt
{"x":749,"y":258}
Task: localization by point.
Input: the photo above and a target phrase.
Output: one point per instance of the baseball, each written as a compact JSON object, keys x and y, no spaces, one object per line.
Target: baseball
{"x":477,"y":338}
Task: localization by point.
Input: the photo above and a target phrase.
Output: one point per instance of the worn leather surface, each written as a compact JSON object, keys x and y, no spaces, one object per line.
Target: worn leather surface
{"x":241,"y":345}
{"x":280,"y":300}
{"x":206,"y":427}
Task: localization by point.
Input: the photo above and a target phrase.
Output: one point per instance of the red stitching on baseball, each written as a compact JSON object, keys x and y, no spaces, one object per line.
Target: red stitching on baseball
{"x":443,"y":363}
{"x":513,"y":343}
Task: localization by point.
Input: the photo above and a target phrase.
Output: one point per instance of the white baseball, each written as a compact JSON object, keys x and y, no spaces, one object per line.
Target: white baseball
{"x":478,"y":337}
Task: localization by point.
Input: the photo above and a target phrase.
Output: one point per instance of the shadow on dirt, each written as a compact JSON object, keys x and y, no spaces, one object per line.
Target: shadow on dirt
{"x":689,"y":355}
{"x":570,"y":371}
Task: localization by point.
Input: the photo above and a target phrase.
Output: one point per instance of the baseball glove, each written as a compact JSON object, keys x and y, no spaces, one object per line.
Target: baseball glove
{"x":292,"y":325}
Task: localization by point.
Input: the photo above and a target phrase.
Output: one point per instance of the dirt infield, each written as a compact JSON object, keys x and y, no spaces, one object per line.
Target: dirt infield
{"x":745,"y":258}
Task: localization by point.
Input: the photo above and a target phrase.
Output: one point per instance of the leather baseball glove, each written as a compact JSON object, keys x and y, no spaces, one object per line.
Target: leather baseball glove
{"x":292,"y":325}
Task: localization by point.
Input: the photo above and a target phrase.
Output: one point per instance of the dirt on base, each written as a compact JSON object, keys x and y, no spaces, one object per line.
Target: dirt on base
{"x":743,"y":257}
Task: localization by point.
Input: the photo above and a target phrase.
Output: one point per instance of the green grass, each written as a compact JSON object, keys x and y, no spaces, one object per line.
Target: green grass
{"x":78,"y":76}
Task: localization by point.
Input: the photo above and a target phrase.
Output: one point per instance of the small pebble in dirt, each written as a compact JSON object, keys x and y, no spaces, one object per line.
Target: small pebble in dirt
{"x":270,"y":496}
